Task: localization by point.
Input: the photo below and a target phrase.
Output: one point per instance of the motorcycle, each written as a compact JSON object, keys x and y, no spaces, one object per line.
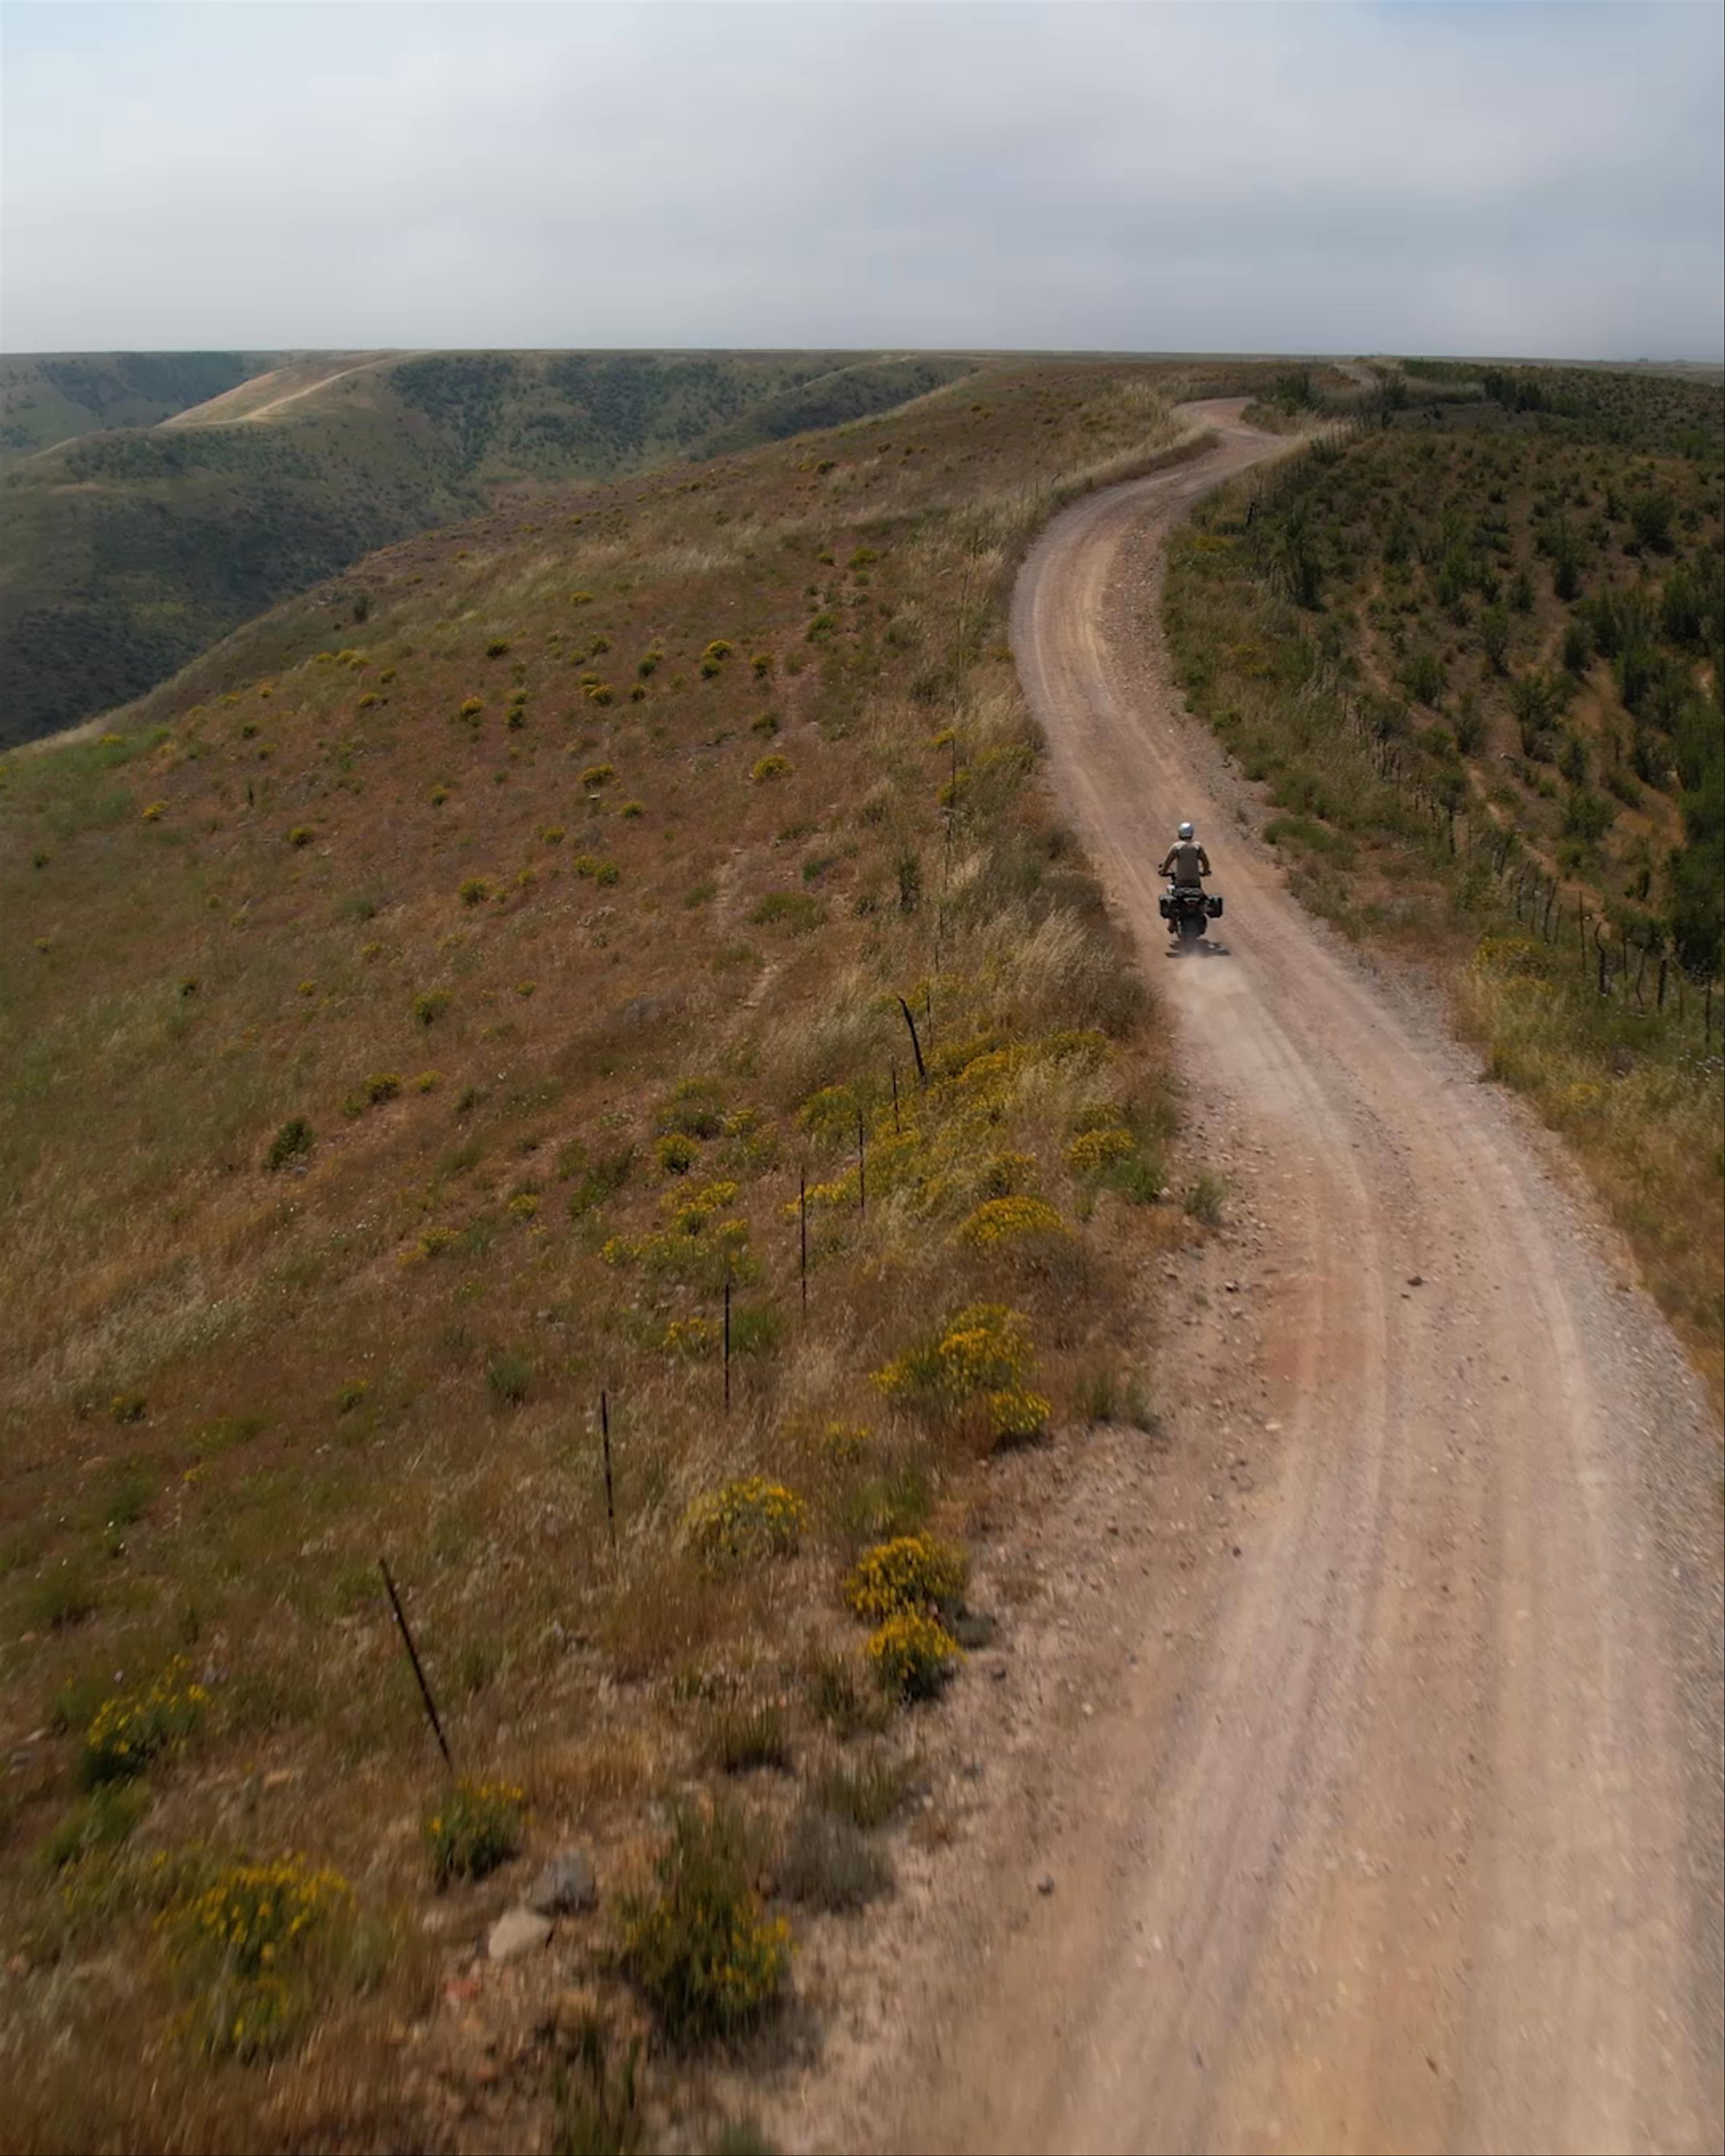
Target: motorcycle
{"x":1188,"y":911}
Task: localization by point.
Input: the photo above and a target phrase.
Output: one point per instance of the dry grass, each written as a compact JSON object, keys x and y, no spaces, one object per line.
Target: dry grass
{"x":394,"y":1340}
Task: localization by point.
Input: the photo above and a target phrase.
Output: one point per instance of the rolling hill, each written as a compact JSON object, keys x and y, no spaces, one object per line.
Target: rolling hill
{"x":123,"y":553}
{"x":47,"y":398}
{"x":418,"y":1019}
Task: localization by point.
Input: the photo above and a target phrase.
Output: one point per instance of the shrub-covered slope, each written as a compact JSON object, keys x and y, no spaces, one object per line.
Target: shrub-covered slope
{"x":122,"y":554}
{"x":1476,"y":651}
{"x":50,"y":397}
{"x":410,"y":1040}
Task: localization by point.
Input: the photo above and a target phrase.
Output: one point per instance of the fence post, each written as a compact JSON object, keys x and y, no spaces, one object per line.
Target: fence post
{"x":915,"y":1044}
{"x":401,"y":1618}
{"x":610,"y":1492}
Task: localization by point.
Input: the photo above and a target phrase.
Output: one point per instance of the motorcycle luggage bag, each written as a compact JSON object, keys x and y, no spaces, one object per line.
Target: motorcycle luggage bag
{"x":1165,"y":905}
{"x":1213,"y":905}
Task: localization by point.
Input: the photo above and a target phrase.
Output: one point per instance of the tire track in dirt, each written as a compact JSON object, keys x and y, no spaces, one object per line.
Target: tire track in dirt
{"x":1418,"y":1846}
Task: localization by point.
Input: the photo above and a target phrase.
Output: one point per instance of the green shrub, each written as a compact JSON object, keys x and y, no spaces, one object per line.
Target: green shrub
{"x":828,"y":1864}
{"x":380,"y":1086}
{"x":789,"y":909}
{"x":471,"y":1829}
{"x":1104,"y":1396}
{"x":1203,"y":1200}
{"x":709,"y":1959}
{"x":427,"y":1008}
{"x":597,"y":2109}
{"x":509,"y":1379}
{"x":292,"y":1142}
{"x":845,"y":1705}
{"x":96,"y":1826}
{"x":753,"y":1734}
{"x":868,"y":1791}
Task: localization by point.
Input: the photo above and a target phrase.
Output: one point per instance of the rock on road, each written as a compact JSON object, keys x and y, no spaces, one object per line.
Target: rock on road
{"x":1424,"y":1851}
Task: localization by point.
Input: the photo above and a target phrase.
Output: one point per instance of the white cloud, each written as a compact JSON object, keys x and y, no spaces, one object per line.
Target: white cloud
{"x":1542,"y":179}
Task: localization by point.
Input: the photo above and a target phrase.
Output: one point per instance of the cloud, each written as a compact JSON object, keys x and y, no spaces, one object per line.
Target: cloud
{"x":1541,"y":179}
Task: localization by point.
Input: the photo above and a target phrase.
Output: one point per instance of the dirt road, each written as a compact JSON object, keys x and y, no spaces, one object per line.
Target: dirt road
{"x":1407,"y":1835}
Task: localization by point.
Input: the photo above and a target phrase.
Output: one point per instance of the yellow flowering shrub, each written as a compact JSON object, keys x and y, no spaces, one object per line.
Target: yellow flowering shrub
{"x":908,"y":1575}
{"x":691,"y":1211}
{"x":472,"y":1828}
{"x":744,"y":1523}
{"x":247,"y":1945}
{"x":693,"y":1338}
{"x":1002,"y":1221}
{"x":1091,"y":1152}
{"x":697,"y":1941}
{"x":133,"y":1727}
{"x":973,"y":1368}
{"x":912,"y":1656}
{"x":704,"y":1260}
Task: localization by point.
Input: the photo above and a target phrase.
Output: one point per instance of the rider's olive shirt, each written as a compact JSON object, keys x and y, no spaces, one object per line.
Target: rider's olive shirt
{"x":1186,"y":862}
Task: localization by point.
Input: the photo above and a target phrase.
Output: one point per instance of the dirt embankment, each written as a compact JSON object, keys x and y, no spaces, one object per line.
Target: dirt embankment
{"x":1353,"y":1781}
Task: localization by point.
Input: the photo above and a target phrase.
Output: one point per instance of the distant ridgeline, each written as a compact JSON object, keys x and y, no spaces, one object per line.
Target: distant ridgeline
{"x":123,"y":554}
{"x":54,"y":397}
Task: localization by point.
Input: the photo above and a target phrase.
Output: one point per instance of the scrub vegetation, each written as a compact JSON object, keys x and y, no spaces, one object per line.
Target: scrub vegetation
{"x":684,"y":1558}
{"x":1472,"y":643}
{"x":124,"y":552}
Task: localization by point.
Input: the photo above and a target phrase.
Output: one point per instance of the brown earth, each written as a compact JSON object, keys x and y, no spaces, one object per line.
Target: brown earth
{"x":1349,"y":1775}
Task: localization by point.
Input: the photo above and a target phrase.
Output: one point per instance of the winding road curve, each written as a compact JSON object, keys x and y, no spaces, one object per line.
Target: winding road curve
{"x":1426,"y":1852}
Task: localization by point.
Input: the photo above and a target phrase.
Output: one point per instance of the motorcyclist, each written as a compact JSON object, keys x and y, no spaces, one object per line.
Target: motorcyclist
{"x":1186,"y":864}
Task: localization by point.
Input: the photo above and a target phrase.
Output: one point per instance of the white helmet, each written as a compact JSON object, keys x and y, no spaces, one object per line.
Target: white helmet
{"x":1185,"y":830}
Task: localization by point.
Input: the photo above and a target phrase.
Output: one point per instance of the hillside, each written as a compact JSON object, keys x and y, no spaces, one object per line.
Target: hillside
{"x":1475,"y":653}
{"x":122,"y":554}
{"x":47,"y":398}
{"x":412,"y":1037}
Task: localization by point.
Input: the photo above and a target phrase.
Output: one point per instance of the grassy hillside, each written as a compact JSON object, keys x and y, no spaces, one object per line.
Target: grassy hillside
{"x":1474,"y":650}
{"x":123,"y":554}
{"x":51,"y":397}
{"x":410,"y":1040}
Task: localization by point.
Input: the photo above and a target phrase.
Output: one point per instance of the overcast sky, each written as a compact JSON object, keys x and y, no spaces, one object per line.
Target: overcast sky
{"x":1498,"y":178}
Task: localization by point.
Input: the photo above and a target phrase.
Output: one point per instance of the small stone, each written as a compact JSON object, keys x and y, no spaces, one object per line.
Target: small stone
{"x":565,"y":1884}
{"x":517,"y":1932}
{"x":1045,"y":1884}
{"x":1416,"y":1280}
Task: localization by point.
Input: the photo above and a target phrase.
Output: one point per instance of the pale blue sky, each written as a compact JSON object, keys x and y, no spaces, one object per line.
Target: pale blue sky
{"x":1499,"y":178}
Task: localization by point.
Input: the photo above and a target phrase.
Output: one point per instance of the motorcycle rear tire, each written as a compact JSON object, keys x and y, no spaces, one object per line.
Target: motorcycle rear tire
{"x":1191,"y":931}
